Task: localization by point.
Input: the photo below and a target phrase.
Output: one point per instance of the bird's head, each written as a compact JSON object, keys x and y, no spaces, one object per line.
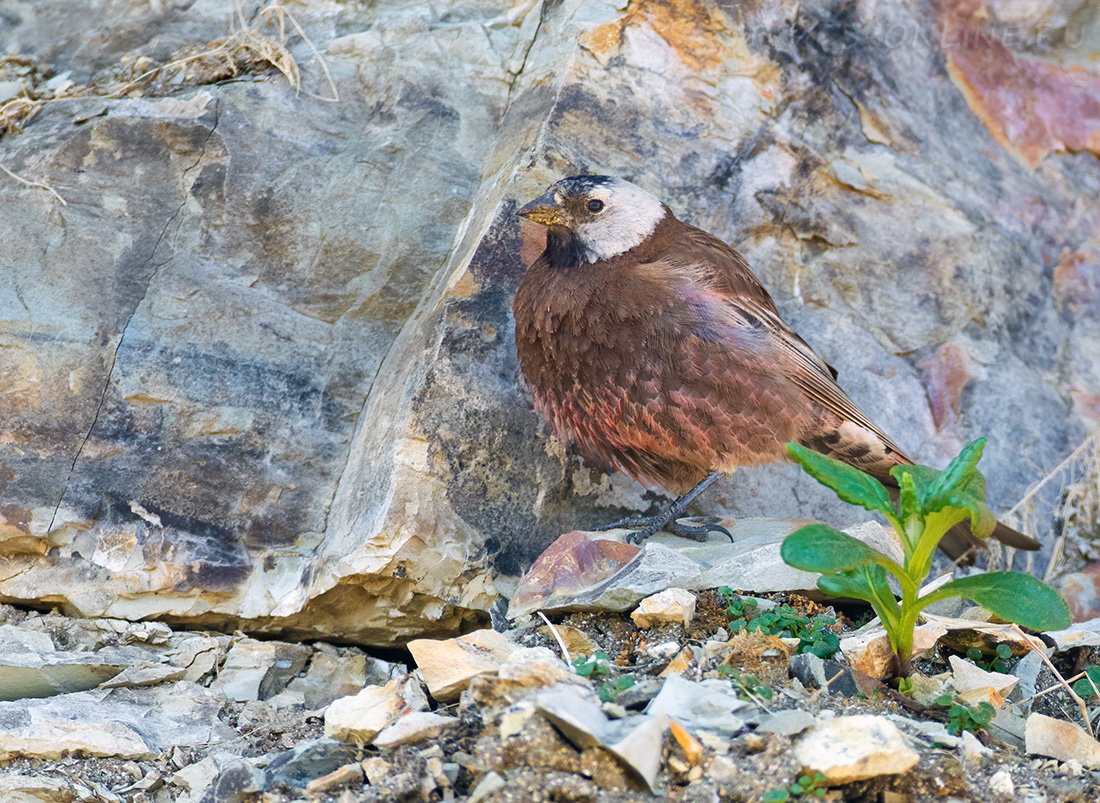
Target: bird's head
{"x":595,"y":217}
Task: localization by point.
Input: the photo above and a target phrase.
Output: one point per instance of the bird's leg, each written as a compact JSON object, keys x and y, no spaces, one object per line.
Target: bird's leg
{"x":668,"y":520}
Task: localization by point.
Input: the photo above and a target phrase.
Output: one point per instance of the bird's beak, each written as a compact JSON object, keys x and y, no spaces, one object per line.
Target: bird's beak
{"x":544,"y":210}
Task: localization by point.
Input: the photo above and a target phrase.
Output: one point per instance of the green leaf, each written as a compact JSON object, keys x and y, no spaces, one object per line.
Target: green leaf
{"x":1012,"y":596}
{"x":820,"y":548}
{"x":982,"y":520}
{"x":1083,"y":687}
{"x":776,"y":796}
{"x":921,"y":480}
{"x":850,"y":484}
{"x":867,"y":583}
{"x":962,"y":472}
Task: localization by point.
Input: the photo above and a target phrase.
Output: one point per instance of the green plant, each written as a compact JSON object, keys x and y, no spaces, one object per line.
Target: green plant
{"x":609,"y":692}
{"x":1003,"y":653}
{"x":1088,"y":685}
{"x":738,"y":609}
{"x":592,"y":666}
{"x":749,"y":687}
{"x":806,"y":785}
{"x":814,"y":635}
{"x":966,"y":718}
{"x":905,"y":686}
{"x":930,"y":503}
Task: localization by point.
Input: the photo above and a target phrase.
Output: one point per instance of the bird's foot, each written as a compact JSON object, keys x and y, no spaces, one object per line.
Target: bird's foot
{"x":665,"y":521}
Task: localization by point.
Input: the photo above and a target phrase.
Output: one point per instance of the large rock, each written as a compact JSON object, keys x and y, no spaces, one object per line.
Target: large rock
{"x":259,"y":373}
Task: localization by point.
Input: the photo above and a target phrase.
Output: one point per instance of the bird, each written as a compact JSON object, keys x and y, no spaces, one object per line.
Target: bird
{"x":654,"y":346}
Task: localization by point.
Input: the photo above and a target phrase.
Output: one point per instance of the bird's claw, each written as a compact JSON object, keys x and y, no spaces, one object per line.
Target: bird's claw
{"x":663,"y":521}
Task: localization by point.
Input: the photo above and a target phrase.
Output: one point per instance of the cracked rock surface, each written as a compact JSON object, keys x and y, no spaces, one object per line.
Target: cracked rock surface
{"x":258,"y":369}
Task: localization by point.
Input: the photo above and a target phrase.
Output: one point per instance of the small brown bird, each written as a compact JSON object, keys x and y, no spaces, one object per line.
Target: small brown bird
{"x":653,"y":345}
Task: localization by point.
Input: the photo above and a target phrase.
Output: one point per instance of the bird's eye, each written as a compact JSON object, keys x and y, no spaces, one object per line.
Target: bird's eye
{"x":595,"y":205}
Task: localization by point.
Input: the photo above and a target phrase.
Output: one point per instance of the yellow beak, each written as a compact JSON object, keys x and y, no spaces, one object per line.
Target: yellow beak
{"x":544,"y":210}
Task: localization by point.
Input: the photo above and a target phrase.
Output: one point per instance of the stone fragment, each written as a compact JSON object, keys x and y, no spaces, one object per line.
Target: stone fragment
{"x":576,"y":641}
{"x":665,"y":651}
{"x":1056,"y":738}
{"x":197,"y":778}
{"x":377,"y":769}
{"x":413,"y":728}
{"x":868,"y":650}
{"x":198,"y":655}
{"x":240,"y":782}
{"x":692,"y":747}
{"x":1027,"y":670}
{"x":348,"y":773}
{"x":31,"y":666}
{"x":855,"y":748}
{"x":680,"y":664}
{"x":819,"y":673}
{"x":490,"y":783}
{"x":1009,"y":727}
{"x":926,"y":690}
{"x":124,"y":723}
{"x":936,"y":732}
{"x":573,"y":565}
{"x":973,"y":750}
{"x":308,"y":760}
{"x":16,"y":788}
{"x":335,"y":673}
{"x":360,"y":717}
{"x":671,"y":606}
{"x":257,"y":670}
{"x":638,"y":742}
{"x":573,"y":712}
{"x":1000,"y":783}
{"x":1080,"y":634}
{"x":968,"y":677}
{"x":707,"y":705}
{"x":448,"y":666}
{"x":790,"y":722}
{"x":962,"y":634}
{"x":145,"y":673}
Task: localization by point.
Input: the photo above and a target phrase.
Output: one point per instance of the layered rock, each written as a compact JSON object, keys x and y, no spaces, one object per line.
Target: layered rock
{"x":258,"y":369}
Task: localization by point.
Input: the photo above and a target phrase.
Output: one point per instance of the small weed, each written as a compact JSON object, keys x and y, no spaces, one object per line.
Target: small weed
{"x":597,"y":666}
{"x":814,"y":635}
{"x":592,"y":666}
{"x":748,"y":686}
{"x":966,"y":718}
{"x":905,"y":686}
{"x":1087,"y":686}
{"x":1004,"y":652}
{"x":805,"y":786}
{"x":609,"y":692}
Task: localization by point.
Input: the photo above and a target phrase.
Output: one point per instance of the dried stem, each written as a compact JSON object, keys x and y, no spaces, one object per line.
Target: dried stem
{"x":1061,"y":680}
{"x":35,"y":184}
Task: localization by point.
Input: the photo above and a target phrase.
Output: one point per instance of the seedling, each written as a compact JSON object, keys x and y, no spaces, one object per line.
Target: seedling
{"x":1088,"y":686}
{"x":609,"y":692}
{"x":930,"y":503}
{"x":749,"y":687}
{"x":1003,"y":653}
{"x":965,"y":718}
{"x":807,"y":785}
{"x":814,"y":635}
{"x":592,"y":666}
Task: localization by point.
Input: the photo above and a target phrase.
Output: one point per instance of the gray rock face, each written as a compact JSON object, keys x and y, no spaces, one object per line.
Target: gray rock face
{"x":259,"y":371}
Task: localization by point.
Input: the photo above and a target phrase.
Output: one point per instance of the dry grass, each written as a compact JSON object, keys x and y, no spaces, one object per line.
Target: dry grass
{"x":1064,"y":507}
{"x":250,"y":49}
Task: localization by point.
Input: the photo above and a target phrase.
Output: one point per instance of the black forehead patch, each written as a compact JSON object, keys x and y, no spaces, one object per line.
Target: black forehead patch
{"x":582,"y":185}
